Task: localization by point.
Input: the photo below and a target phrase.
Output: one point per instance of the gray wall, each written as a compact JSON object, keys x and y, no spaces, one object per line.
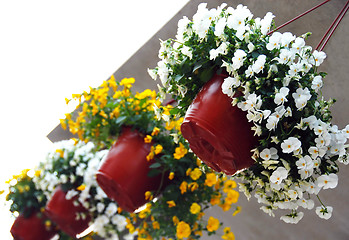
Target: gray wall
{"x":252,"y":223}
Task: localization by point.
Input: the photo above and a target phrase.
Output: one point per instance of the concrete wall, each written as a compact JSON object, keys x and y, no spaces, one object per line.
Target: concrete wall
{"x":252,"y":223}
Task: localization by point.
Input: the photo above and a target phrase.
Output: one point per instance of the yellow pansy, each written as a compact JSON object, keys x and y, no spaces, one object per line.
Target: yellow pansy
{"x":212,"y":224}
{"x":155,"y":131}
{"x":127,"y":82}
{"x":211,"y":179}
{"x":148,"y":195}
{"x":156,"y":225}
{"x":183,"y":230}
{"x":228,"y":235}
{"x":171,"y":203}
{"x":158,"y":149}
{"x":232,"y":196}
{"x":175,"y":220}
{"x":196,"y":174}
{"x":237,"y":210}
{"x":148,"y":139}
{"x":195,"y":208}
{"x":183,"y":187}
{"x":171,"y":175}
{"x":180,"y":151}
{"x":193,"y":186}
{"x":229,"y":184}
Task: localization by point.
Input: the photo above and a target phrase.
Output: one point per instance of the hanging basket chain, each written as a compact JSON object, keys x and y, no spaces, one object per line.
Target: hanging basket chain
{"x":333,"y":27}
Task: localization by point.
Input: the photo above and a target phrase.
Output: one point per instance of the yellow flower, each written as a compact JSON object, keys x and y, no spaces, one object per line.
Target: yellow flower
{"x":212,"y":224}
{"x":155,"y":131}
{"x":232,"y":196}
{"x":148,"y":139}
{"x":183,"y":230}
{"x":238,"y":209}
{"x":183,"y":187}
{"x":228,"y":235}
{"x":198,"y":162}
{"x":175,"y":220}
{"x":229,"y":184}
{"x":225,"y":206}
{"x":171,"y":203}
{"x":211,"y":179}
{"x":151,"y":154}
{"x":103,"y":114}
{"x":115,"y":113}
{"x":195,"y":174}
{"x":61,"y":152}
{"x":193,"y":186}
{"x":148,"y":195}
{"x":180,"y":151}
{"x":216,"y":199}
{"x":195,"y":208}
{"x":158,"y":149}
{"x":156,"y":225}
{"x":117,"y":94}
{"x":171,"y":175}
{"x":112,"y":83}
{"x":63,"y":123}
{"x":127,"y":82}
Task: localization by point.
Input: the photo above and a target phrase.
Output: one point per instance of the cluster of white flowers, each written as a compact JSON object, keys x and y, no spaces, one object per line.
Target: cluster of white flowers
{"x":273,"y":78}
{"x":77,"y":161}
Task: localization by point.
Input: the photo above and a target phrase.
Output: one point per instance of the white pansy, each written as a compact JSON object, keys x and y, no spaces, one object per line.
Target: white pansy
{"x":346,"y":131}
{"x":266,"y":23}
{"x":202,"y":20}
{"x":219,"y":28}
{"x":187,"y":51}
{"x":182,"y":27}
{"x":71,"y":193}
{"x":119,"y":221}
{"x":249,"y":71}
{"x":298,"y":44}
{"x":305,"y":162}
{"x":311,"y":121}
{"x":100,"y":207}
{"x":290,"y":144}
{"x":313,"y":188}
{"x":228,"y":85}
{"x":267,"y":154}
{"x":272,"y":122}
{"x":324,"y":212}
{"x":317,"y":151}
{"x":238,"y":59}
{"x":301,"y":97}
{"x":280,"y":97}
{"x":306,"y":203}
{"x":316,"y":84}
{"x":163,"y":72}
{"x":258,"y":65}
{"x":317,"y":58}
{"x":111,"y":209}
{"x":327,"y":181}
{"x":292,"y":219}
{"x":285,"y":56}
{"x":295,"y":68}
{"x":250,"y":47}
{"x":274,"y":41}
{"x":286,"y":39}
{"x":278,"y":175}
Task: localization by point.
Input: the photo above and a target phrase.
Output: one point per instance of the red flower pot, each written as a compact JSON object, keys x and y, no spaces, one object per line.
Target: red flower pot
{"x":64,"y":212}
{"x":123,"y":175}
{"x":31,"y":228}
{"x":217,"y":132}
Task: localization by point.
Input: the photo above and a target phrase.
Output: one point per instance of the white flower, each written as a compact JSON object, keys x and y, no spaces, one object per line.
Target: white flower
{"x":163,"y":72}
{"x":249,"y":71}
{"x":301,"y":97}
{"x":327,"y":181}
{"x":238,"y":59}
{"x":111,"y":209}
{"x":346,"y":131}
{"x":182,"y":27}
{"x":119,"y":221}
{"x":267,"y":154}
{"x":250,"y":47}
{"x":312,"y":188}
{"x":266,"y":23}
{"x":99,"y":223}
{"x":304,"y":203}
{"x":305,"y":163}
{"x":228,"y":85}
{"x":280,"y":97}
{"x":316,"y":83}
{"x":290,"y":144}
{"x":152,"y":73}
{"x":317,"y":151}
{"x":100,"y":207}
{"x":202,"y":20}
{"x":324,"y":212}
{"x":219,"y":28}
{"x":278,"y":175}
{"x":157,"y":111}
{"x":286,"y":38}
{"x":258,"y":65}
{"x":317,"y":58}
{"x":70,"y":194}
{"x":187,"y":51}
{"x":274,"y":41}
{"x":285,"y":56}
{"x":292,"y":219}
{"x":272,"y":122}
{"x":298,"y":44}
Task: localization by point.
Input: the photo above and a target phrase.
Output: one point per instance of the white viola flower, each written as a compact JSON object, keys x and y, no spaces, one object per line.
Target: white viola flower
{"x":152,"y":73}
{"x":280,"y":97}
{"x":265,"y":23}
{"x":316,"y":163}
{"x":268,"y":154}
{"x":238,"y":59}
{"x":266,"y":113}
{"x":316,"y":84}
{"x":337,"y":149}
{"x":222,"y":49}
{"x":272,"y":122}
{"x":292,"y":194}
{"x":257,"y":130}
{"x":219,"y":28}
{"x":286,"y":39}
{"x":99,"y":223}
{"x":268,"y":210}
{"x":157,"y":111}
{"x":346,"y":131}
{"x":311,"y":121}
{"x":236,"y":21}
{"x":202,"y":20}
{"x":187,"y":51}
{"x":285,"y":56}
{"x":317,"y":58}
{"x":301,"y":97}
{"x":317,"y":151}
{"x":305,"y":173}
{"x":274,"y":41}
{"x":111,"y":209}
{"x":213,"y":54}
{"x":253,"y":101}
{"x":64,"y":178}
{"x":291,"y":144}
{"x":228,"y":66}
{"x":182,"y":27}
{"x":278,"y":175}
{"x":305,"y":162}
{"x":249,"y":71}
{"x":119,"y":221}
{"x":295,"y":68}
{"x":80,"y":169}
{"x":100,"y":207}
{"x":228,"y":85}
{"x":312,"y":188}
{"x":258,"y":65}
{"x":292,"y":219}
{"x":250,"y":47}
{"x":298,"y":44}
{"x":306,"y":203}
{"x":324,"y":212}
{"x":305,"y":66}
{"x":71,"y":193}
{"x":163,"y":73}
{"x":288,"y":112}
{"x":327,"y":181}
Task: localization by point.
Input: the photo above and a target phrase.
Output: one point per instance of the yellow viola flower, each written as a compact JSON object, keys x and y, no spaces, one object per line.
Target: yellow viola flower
{"x":195,"y":208}
{"x":193,"y":186}
{"x":127,"y":82}
{"x":196,"y":174}
{"x":183,"y":187}
{"x":229,"y":184}
{"x":95,"y":108}
{"x":103,"y":114}
{"x":148,"y":195}
{"x":112,"y":83}
{"x":61,"y":152}
{"x":171,"y":204}
{"x":225,"y":206}
{"x":171,"y":175}
{"x":228,"y":235}
{"x":115,"y":113}
{"x":216,"y":199}
{"x":175,"y":220}
{"x":180,"y":151}
{"x":232,"y":196}
{"x":117,"y":94}
{"x":156,"y":225}
{"x":148,"y":139}
{"x":81,"y":187}
{"x":212,"y":224}
{"x":158,"y":149}
{"x":63,"y":124}
{"x":151,"y":154}
{"x":183,"y":230}
{"x":188,"y":171}
{"x":155,"y":131}
{"x":211,"y":179}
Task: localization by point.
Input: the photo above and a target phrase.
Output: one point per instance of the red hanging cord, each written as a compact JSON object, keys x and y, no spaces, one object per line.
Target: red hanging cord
{"x":299,"y":16}
{"x":333,"y":27}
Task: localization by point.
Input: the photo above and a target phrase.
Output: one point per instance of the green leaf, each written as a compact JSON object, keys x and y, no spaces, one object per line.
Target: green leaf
{"x":155,"y":165}
{"x":120,"y":120}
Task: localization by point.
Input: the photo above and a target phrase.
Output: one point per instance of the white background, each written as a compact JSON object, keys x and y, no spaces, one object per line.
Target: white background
{"x":51,"y":49}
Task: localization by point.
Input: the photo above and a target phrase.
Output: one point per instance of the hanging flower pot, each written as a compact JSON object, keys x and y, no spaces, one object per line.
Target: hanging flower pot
{"x":31,"y":228}
{"x":123,"y":174}
{"x":218,"y":133}
{"x":70,"y":216}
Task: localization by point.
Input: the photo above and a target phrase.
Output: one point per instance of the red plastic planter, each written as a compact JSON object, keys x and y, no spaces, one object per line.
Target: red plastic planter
{"x":123,"y":175}
{"x":63,"y":212}
{"x":217,"y":132}
{"x":31,"y":228}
